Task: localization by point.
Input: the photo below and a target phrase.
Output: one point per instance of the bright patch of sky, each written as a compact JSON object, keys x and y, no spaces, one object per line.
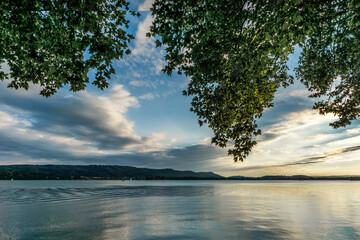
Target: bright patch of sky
{"x":143,"y":120}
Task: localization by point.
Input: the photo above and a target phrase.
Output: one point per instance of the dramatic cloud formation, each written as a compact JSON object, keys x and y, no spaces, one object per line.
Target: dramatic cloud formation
{"x":85,"y":116}
{"x":310,"y":160}
{"x":143,"y":120}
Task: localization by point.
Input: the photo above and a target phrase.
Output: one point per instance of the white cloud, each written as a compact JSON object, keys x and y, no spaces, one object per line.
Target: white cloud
{"x":7,"y":120}
{"x":75,"y":128}
{"x":156,"y":142}
{"x":298,"y":121}
{"x":146,"y":5}
{"x":143,"y":83}
{"x":77,"y":124}
{"x":144,"y":46}
{"x":145,"y":51}
{"x":353,"y":131}
{"x":303,"y":93}
{"x":299,"y":136}
{"x":149,"y":96}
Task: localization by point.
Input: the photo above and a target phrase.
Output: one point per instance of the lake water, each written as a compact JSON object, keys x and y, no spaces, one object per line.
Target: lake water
{"x":179,"y":210}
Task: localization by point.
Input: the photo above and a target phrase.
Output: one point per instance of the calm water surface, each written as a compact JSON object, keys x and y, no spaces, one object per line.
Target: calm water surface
{"x":179,"y":210}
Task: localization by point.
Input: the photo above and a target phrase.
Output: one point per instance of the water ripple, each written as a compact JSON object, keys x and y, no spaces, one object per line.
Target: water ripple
{"x":26,"y":195}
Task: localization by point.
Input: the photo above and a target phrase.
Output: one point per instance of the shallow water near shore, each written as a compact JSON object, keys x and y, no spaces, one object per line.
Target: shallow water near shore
{"x":179,"y":210}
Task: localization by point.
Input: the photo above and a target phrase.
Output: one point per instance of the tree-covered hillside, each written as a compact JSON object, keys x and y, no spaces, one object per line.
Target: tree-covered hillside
{"x":96,"y":172}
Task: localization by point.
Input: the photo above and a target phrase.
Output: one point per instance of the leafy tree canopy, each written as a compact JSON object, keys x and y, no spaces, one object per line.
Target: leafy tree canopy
{"x":44,"y":41}
{"x":236,"y":52}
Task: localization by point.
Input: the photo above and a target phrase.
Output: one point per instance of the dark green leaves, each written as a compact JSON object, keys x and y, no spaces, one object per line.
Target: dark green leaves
{"x":54,"y":43}
{"x":236,"y":53}
{"x":330,"y":62}
{"x":234,"y":67}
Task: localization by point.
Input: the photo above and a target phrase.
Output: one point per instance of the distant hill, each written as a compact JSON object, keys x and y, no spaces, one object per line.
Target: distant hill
{"x":296,"y":177}
{"x":241,"y":178}
{"x":28,"y":172}
{"x":66,"y":172}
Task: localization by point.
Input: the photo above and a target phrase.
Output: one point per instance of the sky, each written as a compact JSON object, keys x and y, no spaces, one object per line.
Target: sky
{"x":143,"y":120}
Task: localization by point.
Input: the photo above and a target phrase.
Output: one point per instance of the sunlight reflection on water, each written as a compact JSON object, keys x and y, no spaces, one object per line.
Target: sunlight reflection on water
{"x":179,"y":210}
